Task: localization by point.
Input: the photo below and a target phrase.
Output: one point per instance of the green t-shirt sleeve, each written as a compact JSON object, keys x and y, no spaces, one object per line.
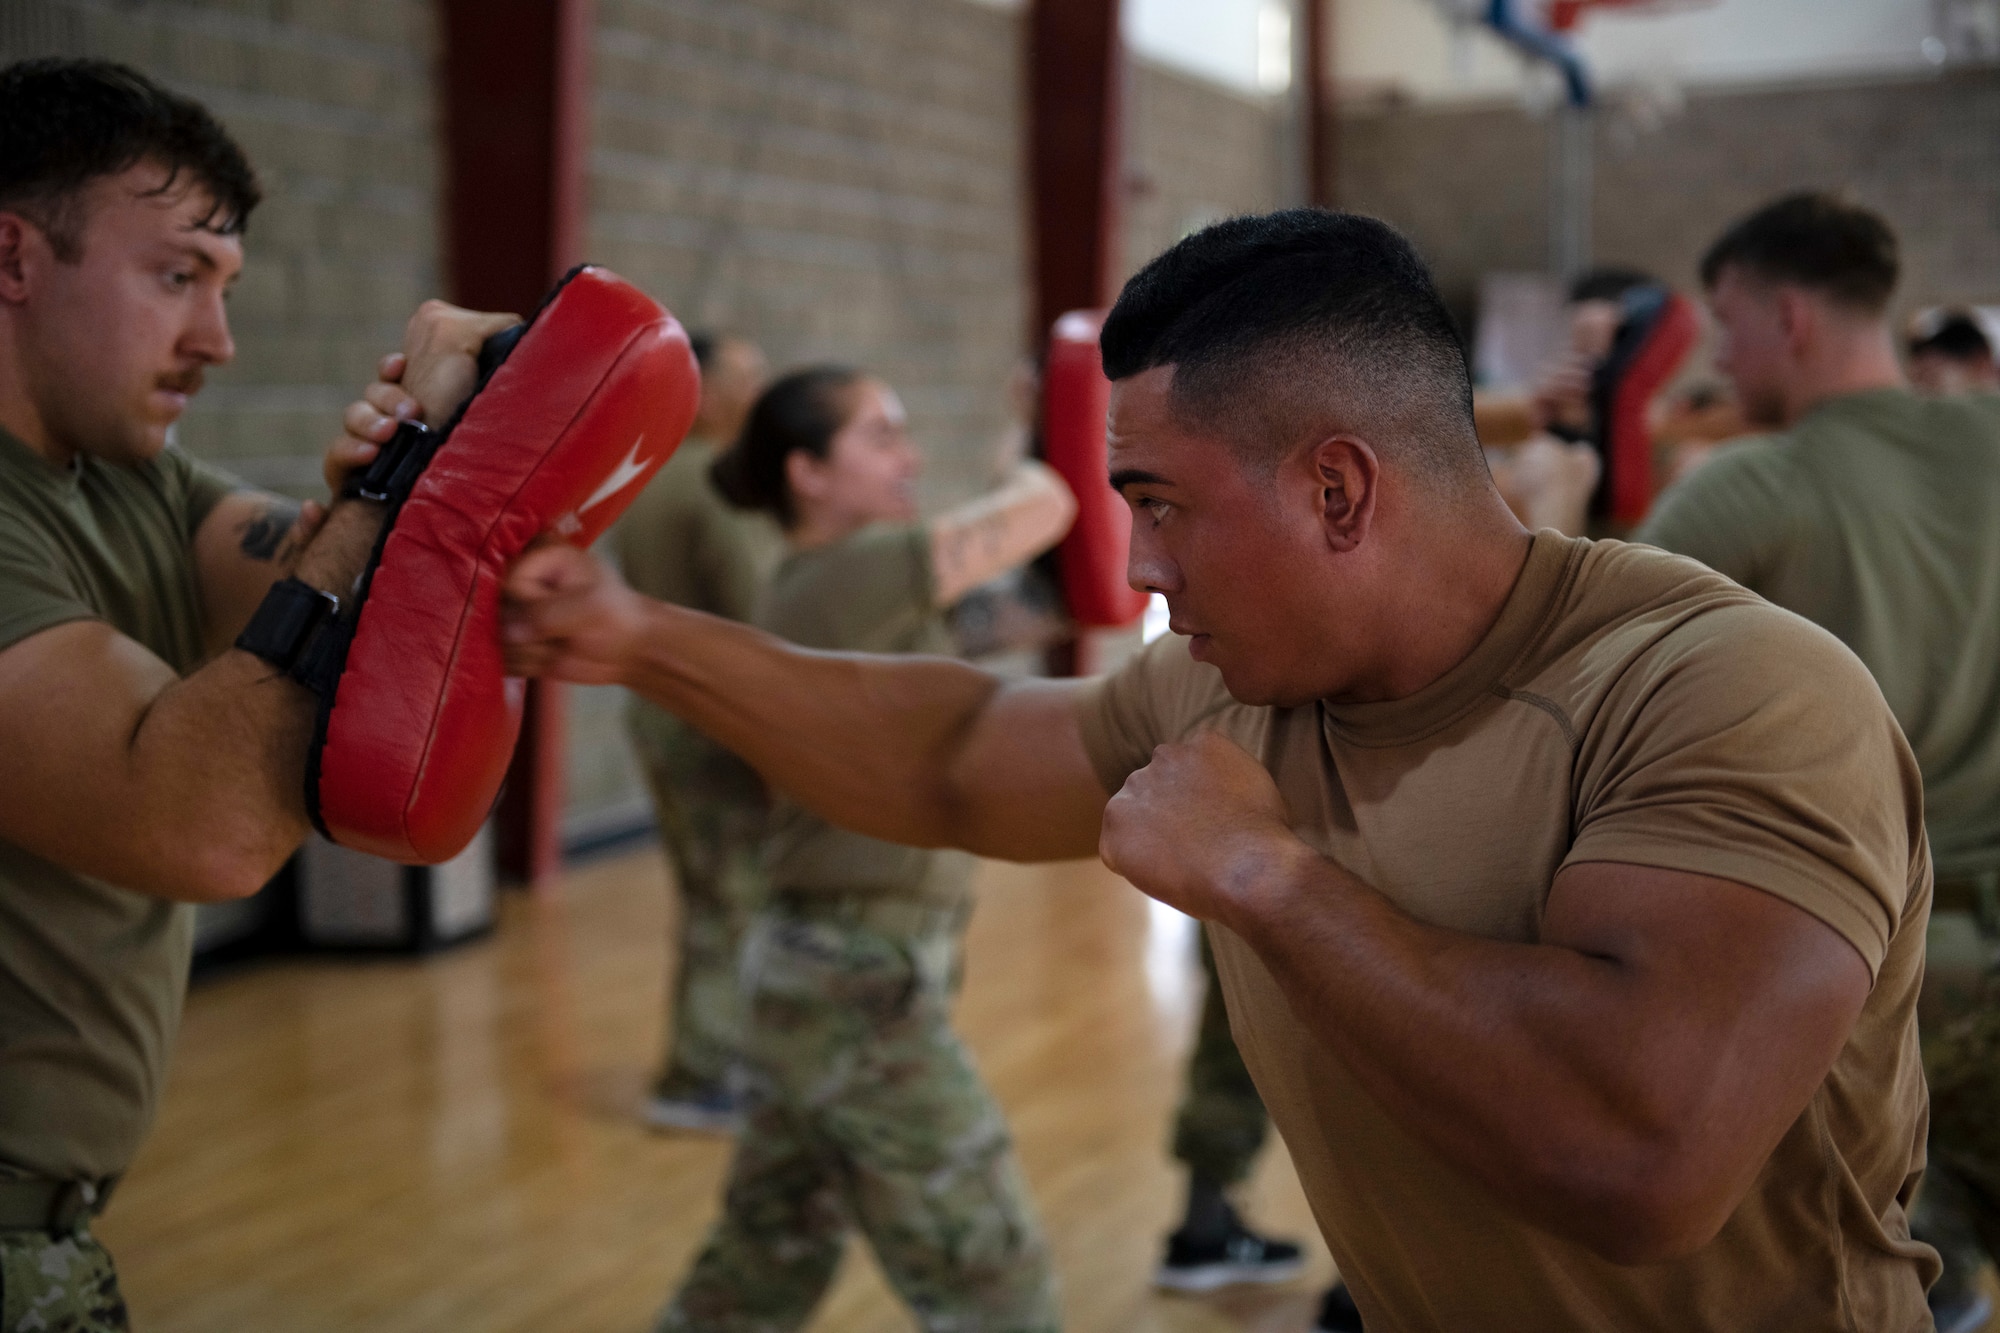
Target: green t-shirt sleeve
{"x":1735,"y":513}
{"x":200,"y":487}
{"x":34,"y":596}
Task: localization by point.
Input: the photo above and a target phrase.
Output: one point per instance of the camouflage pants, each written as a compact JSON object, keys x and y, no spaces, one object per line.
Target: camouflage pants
{"x":1958,"y":1210}
{"x":1221,"y":1123}
{"x":58,"y":1284}
{"x":866,"y":1113}
{"x":711,"y":809}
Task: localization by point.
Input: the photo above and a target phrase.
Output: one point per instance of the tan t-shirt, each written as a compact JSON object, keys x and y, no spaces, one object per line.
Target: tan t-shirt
{"x":1627,"y":706}
{"x":91,"y":975}
{"x":1878,"y":516}
{"x":872,"y":593}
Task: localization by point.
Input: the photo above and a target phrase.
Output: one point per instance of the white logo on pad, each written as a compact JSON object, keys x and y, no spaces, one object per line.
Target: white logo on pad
{"x":622,"y":476}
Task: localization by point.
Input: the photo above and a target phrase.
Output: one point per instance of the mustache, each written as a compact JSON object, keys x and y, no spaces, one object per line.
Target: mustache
{"x":182,"y":381}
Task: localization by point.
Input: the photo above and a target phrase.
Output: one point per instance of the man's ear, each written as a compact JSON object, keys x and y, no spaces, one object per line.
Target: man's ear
{"x":19,"y":239}
{"x":1348,"y":476}
{"x":1800,"y":316}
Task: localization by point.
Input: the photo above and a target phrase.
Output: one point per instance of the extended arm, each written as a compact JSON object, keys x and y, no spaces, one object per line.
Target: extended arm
{"x":1620,"y":1083}
{"x":1007,"y":526}
{"x":923,"y":751}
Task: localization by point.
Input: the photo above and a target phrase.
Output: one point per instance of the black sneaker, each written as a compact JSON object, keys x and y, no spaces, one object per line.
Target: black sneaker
{"x":1241,"y":1255}
{"x":1338,"y":1313}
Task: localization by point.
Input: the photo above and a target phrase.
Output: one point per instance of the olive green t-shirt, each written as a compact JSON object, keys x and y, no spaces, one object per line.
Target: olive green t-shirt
{"x":91,"y":975}
{"x":872,"y":593}
{"x":681,"y":542}
{"x":1878,"y":517}
{"x":1627,"y":706}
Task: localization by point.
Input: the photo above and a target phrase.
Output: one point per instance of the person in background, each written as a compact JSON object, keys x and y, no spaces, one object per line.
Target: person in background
{"x":864,"y":1108}
{"x":1539,"y":445}
{"x":682,"y":543}
{"x":1875,"y":512}
{"x":1949,"y":353}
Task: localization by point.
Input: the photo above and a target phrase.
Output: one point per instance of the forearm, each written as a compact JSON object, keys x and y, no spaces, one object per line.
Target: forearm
{"x":218,"y":758}
{"x":1006,"y":527}
{"x":1513,"y":1062}
{"x":865,"y":742}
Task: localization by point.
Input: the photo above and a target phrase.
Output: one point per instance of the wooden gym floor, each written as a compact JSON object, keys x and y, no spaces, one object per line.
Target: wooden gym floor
{"x":451,"y":1144}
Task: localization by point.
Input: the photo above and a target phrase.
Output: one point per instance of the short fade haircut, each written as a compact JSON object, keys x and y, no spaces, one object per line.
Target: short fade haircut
{"x":1280,"y":322}
{"x":66,"y":123}
{"x":1817,"y":241}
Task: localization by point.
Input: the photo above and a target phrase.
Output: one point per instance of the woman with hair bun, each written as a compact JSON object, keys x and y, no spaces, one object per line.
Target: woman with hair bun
{"x":864,"y":1109}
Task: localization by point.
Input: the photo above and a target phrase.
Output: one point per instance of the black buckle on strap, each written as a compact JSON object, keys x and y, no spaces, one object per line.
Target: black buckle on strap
{"x":395,"y":468}
{"x":287,"y":624}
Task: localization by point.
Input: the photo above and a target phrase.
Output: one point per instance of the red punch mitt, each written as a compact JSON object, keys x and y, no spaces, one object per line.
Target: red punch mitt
{"x":575,"y":411}
{"x":1658,"y":330}
{"x":1076,"y":401}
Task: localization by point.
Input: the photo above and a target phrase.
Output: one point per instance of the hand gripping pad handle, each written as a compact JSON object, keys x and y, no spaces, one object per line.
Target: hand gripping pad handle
{"x":1076,"y":402}
{"x":596,"y":393}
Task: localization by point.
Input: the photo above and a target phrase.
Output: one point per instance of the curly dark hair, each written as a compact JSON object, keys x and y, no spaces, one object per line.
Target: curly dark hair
{"x":65,"y":123}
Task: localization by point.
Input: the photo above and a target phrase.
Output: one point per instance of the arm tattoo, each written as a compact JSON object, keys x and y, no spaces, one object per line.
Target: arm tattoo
{"x":263,"y":536}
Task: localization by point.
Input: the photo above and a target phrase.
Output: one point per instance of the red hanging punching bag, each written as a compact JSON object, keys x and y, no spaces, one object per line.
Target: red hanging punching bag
{"x":1076,"y":400}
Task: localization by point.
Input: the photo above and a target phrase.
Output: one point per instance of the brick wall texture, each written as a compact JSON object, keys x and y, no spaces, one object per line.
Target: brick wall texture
{"x":332,"y":101}
{"x":1195,"y":152}
{"x":1470,"y":186}
{"x":838,"y":179}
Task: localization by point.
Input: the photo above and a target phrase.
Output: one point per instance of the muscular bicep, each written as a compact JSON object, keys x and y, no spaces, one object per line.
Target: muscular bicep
{"x":1022,"y":783}
{"x":249,"y":541}
{"x":71,"y":699}
{"x":1734,"y":1005}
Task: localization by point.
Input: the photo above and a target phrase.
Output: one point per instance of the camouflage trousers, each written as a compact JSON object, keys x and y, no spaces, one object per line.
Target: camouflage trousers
{"x":1221,"y":1123}
{"x":712,"y":812}
{"x":1958,"y":1209}
{"x":866,"y":1114}
{"x":53,"y":1283}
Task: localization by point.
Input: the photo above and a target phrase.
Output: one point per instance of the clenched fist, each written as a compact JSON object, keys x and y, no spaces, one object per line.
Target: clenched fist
{"x":1199,"y":828}
{"x":570,"y":617}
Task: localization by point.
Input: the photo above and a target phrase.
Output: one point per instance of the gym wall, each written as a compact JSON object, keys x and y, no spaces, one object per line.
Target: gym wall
{"x":838,"y":179}
{"x":1470,"y":184}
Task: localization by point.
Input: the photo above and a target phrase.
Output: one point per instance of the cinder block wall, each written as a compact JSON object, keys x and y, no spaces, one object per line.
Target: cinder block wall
{"x":1470,"y":185}
{"x":838,"y":179}
{"x":1195,"y":152}
{"x":332,"y":101}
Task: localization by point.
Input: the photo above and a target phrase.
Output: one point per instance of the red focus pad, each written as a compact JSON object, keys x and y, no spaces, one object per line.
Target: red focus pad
{"x":1076,"y":400}
{"x":595,"y":396}
{"x":1628,"y":433}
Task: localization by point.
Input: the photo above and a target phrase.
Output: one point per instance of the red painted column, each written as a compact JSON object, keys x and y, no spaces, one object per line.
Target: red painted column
{"x":516,"y":110}
{"x":1076,"y":175}
{"x":1321,"y":106}
{"x":1076,"y":67}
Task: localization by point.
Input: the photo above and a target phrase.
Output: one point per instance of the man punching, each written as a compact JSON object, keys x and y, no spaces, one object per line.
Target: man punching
{"x":1568,"y":899}
{"x":148,"y":765}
